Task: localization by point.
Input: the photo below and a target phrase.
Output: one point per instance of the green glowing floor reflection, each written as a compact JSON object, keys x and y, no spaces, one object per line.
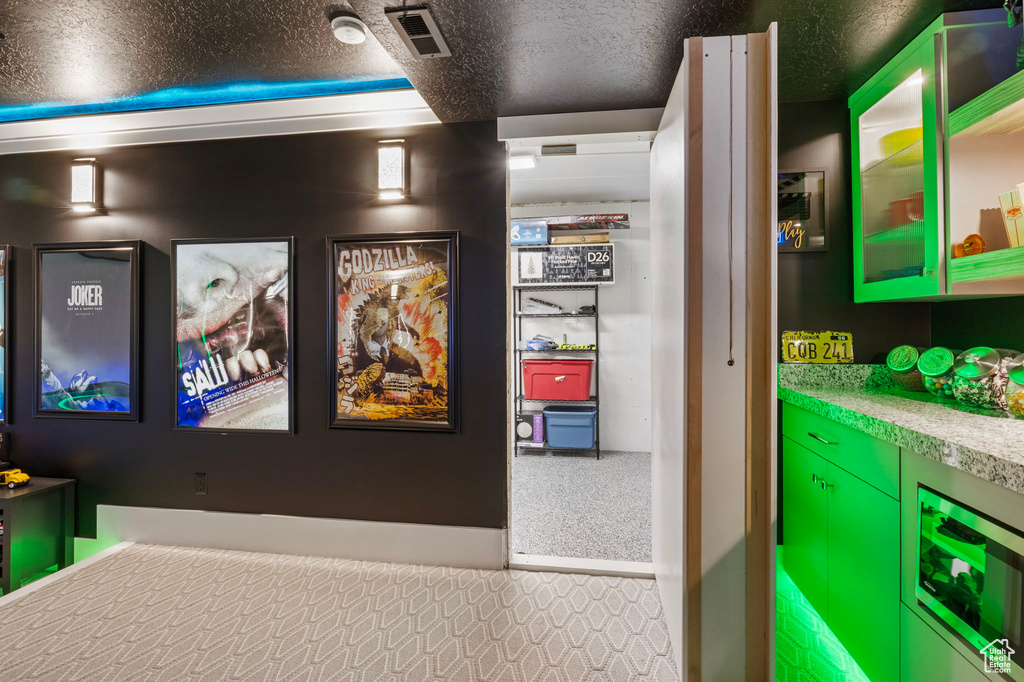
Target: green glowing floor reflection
{"x":805,"y":649}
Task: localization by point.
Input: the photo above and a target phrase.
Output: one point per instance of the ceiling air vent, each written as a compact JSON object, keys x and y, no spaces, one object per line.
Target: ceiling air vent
{"x":418,"y":31}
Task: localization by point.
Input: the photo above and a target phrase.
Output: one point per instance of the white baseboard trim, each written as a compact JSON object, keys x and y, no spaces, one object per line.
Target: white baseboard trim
{"x":557,"y":564}
{"x":18,"y":593}
{"x":406,"y":543}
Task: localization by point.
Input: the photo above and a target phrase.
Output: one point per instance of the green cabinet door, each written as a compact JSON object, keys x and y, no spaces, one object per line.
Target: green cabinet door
{"x":864,"y":573}
{"x":805,"y":519}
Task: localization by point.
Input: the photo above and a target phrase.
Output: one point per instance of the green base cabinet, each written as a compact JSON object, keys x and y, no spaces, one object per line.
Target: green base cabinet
{"x":864,"y":573}
{"x":805,"y":513}
{"x":841,"y":535}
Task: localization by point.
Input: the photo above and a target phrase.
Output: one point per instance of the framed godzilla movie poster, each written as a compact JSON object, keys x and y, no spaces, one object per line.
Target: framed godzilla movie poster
{"x":393,"y":331}
{"x":87,"y":330}
{"x":232,"y":320}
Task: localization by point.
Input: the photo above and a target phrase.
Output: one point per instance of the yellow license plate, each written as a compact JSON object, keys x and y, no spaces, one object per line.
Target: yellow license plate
{"x":825,"y":348}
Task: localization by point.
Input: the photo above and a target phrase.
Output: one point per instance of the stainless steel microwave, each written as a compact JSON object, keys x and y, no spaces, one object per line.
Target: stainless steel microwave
{"x":971,"y":575}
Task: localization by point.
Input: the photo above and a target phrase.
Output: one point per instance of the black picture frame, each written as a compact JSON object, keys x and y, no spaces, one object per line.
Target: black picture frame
{"x":134,"y":248}
{"x":820,"y":228}
{"x":5,"y":301}
{"x":175,"y":243}
{"x":453,"y":392}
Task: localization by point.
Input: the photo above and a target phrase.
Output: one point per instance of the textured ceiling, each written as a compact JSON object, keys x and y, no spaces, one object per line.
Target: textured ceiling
{"x":517,"y":57}
{"x":511,"y":57}
{"x":75,"y":50}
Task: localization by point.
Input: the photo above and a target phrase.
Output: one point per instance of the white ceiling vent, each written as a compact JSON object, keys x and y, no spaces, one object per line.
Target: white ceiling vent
{"x":419,"y":31}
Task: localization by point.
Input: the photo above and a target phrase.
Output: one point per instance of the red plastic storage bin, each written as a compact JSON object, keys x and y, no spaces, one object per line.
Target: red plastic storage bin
{"x":557,"y":379}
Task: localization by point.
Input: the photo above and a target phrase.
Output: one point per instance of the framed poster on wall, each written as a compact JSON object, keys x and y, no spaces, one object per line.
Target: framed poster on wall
{"x":803,"y":212}
{"x":87,"y":330}
{"x":393,"y":331}
{"x":5,"y":256}
{"x":232,"y":307}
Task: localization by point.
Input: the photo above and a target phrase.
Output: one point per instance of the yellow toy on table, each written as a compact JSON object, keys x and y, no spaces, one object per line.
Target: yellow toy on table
{"x":13,"y":478}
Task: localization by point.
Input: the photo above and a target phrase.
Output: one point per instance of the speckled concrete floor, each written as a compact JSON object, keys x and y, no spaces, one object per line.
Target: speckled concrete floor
{"x":580,"y":507}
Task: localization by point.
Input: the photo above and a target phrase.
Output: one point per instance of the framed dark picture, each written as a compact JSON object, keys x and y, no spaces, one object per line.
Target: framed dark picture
{"x":393,"y":331}
{"x":87,"y":330}
{"x":5,"y":257}
{"x":803,"y":211}
{"x":232,"y":320}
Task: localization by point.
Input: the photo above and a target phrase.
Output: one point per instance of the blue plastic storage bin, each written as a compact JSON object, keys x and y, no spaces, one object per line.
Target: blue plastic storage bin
{"x":571,"y":426}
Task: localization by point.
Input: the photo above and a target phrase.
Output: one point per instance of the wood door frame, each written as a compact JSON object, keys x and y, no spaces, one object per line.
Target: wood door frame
{"x":755,"y":175}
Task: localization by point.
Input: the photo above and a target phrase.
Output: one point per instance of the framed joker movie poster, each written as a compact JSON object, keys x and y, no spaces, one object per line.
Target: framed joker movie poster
{"x":232,"y":322}
{"x":393,"y":331}
{"x":87,"y":330}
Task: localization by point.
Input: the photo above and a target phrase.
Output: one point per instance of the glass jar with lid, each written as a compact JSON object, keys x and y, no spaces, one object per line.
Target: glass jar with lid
{"x":981,"y":377}
{"x":936,"y":367}
{"x":1015,"y":386}
{"x":902,"y":364}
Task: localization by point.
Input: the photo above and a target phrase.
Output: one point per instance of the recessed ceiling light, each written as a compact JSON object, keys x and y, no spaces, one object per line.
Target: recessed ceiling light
{"x":520,"y":162}
{"x":348,"y":28}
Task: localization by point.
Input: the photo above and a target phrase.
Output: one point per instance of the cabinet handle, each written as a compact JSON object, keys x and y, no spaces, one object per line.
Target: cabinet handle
{"x":820,"y":439}
{"x":819,"y":481}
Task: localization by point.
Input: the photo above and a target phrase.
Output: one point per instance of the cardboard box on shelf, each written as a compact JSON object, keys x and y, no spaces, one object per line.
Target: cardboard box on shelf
{"x":1013,"y":215}
{"x":601,"y":238}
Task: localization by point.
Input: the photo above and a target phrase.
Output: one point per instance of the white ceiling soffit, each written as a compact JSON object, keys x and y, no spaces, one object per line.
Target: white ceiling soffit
{"x":621,"y":125}
{"x":614,"y":171}
{"x":386,"y":109}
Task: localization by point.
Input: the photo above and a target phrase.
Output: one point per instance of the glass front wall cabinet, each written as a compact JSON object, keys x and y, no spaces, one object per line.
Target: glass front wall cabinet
{"x":902,"y":199}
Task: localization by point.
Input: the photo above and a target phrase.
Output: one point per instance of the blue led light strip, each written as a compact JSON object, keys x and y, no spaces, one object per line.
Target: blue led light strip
{"x":201,"y":95}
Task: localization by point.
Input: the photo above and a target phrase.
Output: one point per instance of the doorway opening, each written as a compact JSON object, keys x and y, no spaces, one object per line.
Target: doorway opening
{"x":580,"y":353}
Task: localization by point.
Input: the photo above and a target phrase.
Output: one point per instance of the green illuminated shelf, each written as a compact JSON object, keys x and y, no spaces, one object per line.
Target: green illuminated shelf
{"x":904,"y":233}
{"x":989,"y":265}
{"x":998,"y":111}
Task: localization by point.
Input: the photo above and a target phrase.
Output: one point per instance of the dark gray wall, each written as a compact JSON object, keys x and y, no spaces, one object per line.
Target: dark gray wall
{"x":996,"y":322}
{"x":816,"y":289}
{"x":308,"y":186}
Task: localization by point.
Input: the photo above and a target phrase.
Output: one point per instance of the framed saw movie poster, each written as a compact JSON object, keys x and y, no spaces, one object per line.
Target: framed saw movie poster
{"x":232,"y":303}
{"x":87,"y":330}
{"x":393,"y":331}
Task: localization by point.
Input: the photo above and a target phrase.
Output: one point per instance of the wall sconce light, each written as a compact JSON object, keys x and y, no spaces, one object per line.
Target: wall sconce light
{"x":391,"y":169}
{"x":86,"y":186}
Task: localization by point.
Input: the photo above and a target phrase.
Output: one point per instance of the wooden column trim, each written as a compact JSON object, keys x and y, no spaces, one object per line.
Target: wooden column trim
{"x":760,"y":361}
{"x":694,"y":329}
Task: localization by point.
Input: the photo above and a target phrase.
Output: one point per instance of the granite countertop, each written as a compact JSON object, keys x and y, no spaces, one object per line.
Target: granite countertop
{"x":987,"y":444}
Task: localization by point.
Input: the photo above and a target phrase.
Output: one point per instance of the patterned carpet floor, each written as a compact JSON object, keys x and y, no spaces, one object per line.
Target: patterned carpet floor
{"x":805,"y":648}
{"x":582,"y":507}
{"x":160,"y":613}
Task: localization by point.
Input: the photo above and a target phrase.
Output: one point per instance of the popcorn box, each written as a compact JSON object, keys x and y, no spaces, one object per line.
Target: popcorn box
{"x":1012,"y":210}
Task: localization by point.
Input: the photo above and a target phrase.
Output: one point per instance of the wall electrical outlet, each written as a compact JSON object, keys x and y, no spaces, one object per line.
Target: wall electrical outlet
{"x":201,"y":487}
